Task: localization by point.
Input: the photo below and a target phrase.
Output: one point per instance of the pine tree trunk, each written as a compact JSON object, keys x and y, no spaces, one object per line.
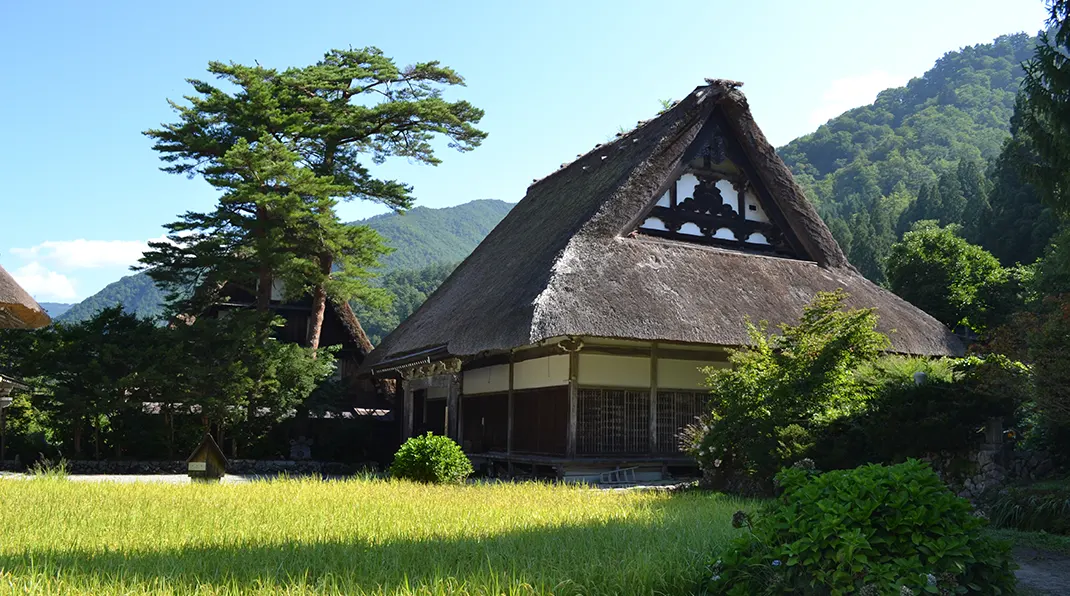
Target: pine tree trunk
{"x":78,"y":438}
{"x":319,"y":304}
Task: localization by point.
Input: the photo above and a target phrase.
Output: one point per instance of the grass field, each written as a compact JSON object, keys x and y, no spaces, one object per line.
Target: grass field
{"x":353,"y":537}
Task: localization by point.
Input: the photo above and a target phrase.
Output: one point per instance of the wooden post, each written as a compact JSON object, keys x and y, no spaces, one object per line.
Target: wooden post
{"x":458,"y":379}
{"x":406,"y":410}
{"x":3,"y":433}
{"x":654,"y":397}
{"x":573,"y":399}
{"x":452,"y":408}
{"x":509,"y":414}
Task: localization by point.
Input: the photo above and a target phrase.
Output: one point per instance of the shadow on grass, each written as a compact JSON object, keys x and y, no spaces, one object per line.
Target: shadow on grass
{"x":663,"y":553}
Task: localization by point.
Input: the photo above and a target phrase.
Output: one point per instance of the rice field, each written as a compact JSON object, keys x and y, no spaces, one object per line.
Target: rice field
{"x":353,"y":537}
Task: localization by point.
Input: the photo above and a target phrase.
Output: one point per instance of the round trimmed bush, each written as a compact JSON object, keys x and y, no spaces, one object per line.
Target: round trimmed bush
{"x":431,"y":458}
{"x":873,"y":530}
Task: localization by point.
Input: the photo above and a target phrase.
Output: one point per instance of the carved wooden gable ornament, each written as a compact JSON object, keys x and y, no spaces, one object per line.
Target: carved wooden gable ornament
{"x":716,"y":198}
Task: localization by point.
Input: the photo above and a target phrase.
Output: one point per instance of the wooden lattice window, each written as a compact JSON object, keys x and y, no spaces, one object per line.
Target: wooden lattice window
{"x":612,"y":421}
{"x":677,"y":409}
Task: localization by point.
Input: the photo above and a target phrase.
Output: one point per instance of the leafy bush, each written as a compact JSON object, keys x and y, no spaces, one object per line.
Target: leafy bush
{"x":871,"y":530}
{"x":903,"y":419}
{"x":431,"y":458}
{"x":764,"y":409}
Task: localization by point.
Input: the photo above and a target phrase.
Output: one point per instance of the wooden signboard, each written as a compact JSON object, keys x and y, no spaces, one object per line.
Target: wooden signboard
{"x":207,"y":463}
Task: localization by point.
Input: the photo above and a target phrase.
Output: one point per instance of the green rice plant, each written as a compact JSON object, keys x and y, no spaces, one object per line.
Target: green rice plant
{"x":311,"y":536}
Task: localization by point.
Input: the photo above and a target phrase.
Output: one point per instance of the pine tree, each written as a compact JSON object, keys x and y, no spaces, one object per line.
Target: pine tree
{"x":284,"y":148}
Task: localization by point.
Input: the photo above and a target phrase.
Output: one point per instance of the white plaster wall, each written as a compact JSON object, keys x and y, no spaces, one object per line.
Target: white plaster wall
{"x":490,"y":379}
{"x":758,"y":214}
{"x":549,"y":371}
{"x":607,"y":370}
{"x":683,"y":374}
{"x":729,"y":196}
{"x":685,"y":187}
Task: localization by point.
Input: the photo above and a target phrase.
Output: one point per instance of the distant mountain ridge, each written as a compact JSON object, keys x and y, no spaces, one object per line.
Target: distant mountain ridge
{"x":55,"y":309}
{"x":422,"y":237}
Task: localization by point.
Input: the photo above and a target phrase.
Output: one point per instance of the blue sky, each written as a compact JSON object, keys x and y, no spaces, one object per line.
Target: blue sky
{"x":82,"y":192}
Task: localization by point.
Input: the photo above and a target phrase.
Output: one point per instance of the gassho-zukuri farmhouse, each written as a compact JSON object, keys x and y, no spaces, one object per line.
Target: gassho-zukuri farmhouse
{"x":572,"y":337}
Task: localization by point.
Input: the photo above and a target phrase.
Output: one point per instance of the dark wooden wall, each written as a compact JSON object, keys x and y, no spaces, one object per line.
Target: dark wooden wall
{"x":540,"y":421}
{"x":486,"y":422}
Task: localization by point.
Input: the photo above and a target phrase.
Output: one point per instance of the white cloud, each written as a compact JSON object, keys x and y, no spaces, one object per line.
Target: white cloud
{"x":43,"y":284}
{"x":84,"y":254}
{"x":851,"y":92}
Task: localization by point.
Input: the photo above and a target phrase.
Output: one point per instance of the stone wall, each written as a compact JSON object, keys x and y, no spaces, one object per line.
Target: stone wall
{"x":972,"y":475}
{"x":235,"y":466}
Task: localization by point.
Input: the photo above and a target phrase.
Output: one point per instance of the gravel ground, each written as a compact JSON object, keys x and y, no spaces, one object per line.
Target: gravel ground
{"x":1042,"y":572}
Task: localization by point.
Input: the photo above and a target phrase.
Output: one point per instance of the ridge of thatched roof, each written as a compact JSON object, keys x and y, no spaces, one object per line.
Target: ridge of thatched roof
{"x":352,"y":324}
{"x":18,"y":309}
{"x":563,"y":261}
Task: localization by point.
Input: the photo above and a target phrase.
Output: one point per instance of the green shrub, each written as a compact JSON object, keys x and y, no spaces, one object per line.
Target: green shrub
{"x":903,"y":419}
{"x":871,"y":530}
{"x":765,"y":408}
{"x":431,"y":458}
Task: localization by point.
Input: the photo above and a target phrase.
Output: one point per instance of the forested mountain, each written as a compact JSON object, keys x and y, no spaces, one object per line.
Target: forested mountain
{"x":409,"y":288}
{"x":928,"y":150}
{"x":137,"y":293}
{"x":423,"y":237}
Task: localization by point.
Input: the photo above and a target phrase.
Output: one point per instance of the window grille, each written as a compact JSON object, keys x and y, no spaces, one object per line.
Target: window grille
{"x":612,"y":421}
{"x":677,"y":409}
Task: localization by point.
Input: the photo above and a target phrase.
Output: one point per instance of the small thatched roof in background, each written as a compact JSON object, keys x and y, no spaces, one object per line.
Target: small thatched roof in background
{"x":563,"y":261}
{"x":17,"y":309}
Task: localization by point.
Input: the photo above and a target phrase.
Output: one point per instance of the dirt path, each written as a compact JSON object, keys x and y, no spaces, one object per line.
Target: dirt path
{"x":1042,"y":572}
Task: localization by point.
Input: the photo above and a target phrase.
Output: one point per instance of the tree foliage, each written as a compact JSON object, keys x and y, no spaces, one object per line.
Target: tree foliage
{"x":940,"y":272}
{"x":408,"y":290}
{"x":284,"y":148}
{"x":762,"y":408}
{"x":95,"y":378}
{"x":1044,"y":108}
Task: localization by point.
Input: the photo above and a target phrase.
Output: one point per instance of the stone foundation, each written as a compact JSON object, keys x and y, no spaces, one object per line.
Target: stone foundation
{"x":972,"y":475}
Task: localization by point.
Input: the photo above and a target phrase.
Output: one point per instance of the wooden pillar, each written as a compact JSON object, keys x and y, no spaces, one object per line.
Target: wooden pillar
{"x":460,"y":408}
{"x":453,"y":399}
{"x":3,"y":432}
{"x":573,"y":401}
{"x":406,"y":410}
{"x":654,"y":398}
{"x":509,"y":414}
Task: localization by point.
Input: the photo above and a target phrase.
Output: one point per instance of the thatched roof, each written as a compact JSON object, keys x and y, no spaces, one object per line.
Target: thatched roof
{"x":237,"y":295}
{"x":17,"y":309}
{"x":563,"y":262}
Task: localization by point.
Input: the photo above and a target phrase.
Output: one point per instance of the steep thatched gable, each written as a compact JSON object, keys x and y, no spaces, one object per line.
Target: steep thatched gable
{"x":572,"y":258}
{"x":17,"y":309}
